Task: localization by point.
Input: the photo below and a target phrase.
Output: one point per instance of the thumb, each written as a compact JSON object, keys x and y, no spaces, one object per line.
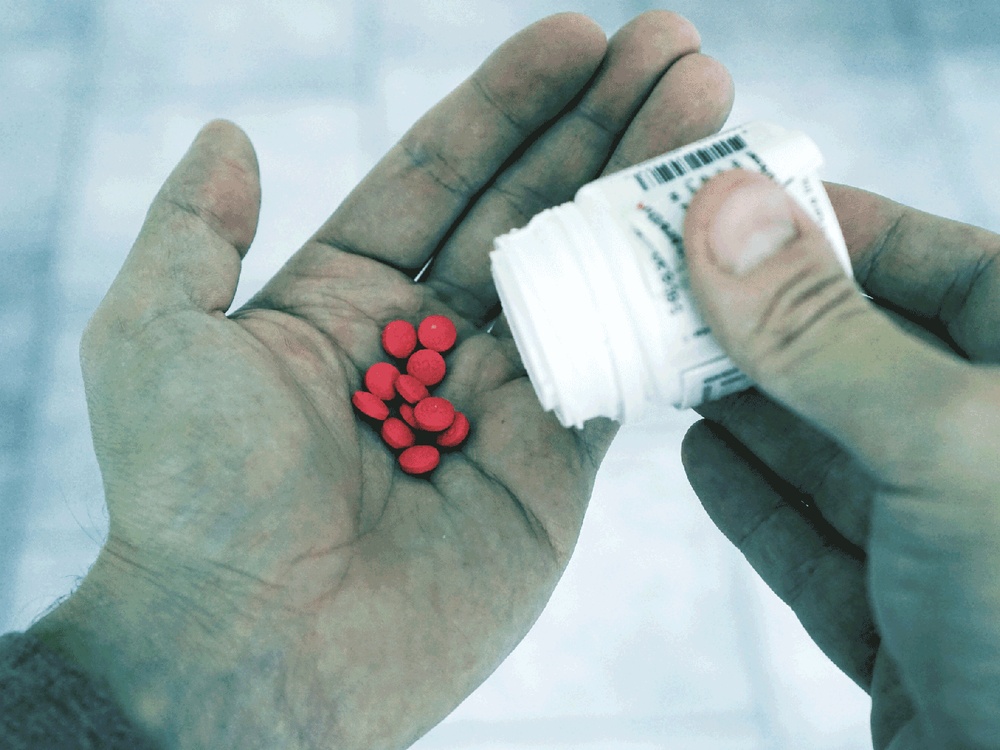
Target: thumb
{"x":779,"y":302}
{"x":197,"y":231}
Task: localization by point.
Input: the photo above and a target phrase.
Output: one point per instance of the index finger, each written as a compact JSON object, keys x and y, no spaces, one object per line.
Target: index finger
{"x":934,"y":268}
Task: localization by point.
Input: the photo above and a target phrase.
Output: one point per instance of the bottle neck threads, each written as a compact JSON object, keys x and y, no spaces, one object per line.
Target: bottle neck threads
{"x":559,"y":279}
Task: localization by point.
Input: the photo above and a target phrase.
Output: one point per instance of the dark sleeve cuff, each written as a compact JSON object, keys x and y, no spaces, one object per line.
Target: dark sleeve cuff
{"x":48,"y":703}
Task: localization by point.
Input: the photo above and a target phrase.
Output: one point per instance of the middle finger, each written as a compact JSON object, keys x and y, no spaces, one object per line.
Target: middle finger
{"x":641,"y":59}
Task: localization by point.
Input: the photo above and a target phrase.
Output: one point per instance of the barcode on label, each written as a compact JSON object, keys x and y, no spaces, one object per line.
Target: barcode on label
{"x":671,"y":170}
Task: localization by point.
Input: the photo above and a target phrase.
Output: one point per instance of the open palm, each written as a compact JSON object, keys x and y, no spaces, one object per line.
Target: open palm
{"x":292,"y":586}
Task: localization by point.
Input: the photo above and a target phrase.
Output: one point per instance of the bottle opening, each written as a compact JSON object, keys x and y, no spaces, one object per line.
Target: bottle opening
{"x":553,"y":313}
{"x":596,"y":291}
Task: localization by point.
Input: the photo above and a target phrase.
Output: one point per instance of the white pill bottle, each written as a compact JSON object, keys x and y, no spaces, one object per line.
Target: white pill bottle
{"x":596,"y":290}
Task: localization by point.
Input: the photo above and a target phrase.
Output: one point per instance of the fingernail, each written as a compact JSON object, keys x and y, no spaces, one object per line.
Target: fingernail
{"x":752,"y":224}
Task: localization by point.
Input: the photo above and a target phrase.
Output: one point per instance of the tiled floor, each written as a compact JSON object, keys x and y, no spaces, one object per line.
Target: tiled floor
{"x":658,"y":636}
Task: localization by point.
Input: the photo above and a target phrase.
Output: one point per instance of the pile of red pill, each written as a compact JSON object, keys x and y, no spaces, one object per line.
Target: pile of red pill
{"x":425,"y":424}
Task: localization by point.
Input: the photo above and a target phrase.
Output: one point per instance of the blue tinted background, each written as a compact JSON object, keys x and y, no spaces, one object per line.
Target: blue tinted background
{"x":658,"y":636}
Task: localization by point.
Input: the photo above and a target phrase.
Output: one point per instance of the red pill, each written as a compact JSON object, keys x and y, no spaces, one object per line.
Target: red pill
{"x":419,"y":459}
{"x":399,"y":338}
{"x":437,"y":332}
{"x":434,"y":414}
{"x":370,"y":405}
{"x":397,"y":434}
{"x":411,"y":389}
{"x":455,"y":434}
{"x":381,"y":380}
{"x":427,"y":366}
{"x":406,"y":412}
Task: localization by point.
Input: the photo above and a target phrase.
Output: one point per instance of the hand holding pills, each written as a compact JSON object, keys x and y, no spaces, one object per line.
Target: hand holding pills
{"x":277,"y":574}
{"x":862,"y":480}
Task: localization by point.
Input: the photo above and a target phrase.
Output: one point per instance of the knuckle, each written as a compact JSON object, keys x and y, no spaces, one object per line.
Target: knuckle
{"x":103,"y":334}
{"x":525,"y":200}
{"x":974,"y":286}
{"x":500,"y":102}
{"x":843,"y":492}
{"x":116,"y":333}
{"x":959,"y":448}
{"x":759,"y":530}
{"x":96,"y":333}
{"x":805,"y":311}
{"x":595,"y":116}
{"x":426,"y":158}
{"x":823,"y":468}
{"x":800,"y":580}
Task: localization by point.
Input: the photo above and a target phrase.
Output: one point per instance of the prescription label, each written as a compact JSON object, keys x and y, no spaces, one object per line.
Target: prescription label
{"x":661,"y":191}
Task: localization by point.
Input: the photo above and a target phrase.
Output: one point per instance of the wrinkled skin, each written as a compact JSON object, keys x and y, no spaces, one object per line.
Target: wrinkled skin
{"x":271,"y":578}
{"x":861,"y":478}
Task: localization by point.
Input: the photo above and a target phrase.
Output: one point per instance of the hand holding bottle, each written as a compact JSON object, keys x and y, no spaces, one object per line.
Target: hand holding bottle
{"x":861,"y":481}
